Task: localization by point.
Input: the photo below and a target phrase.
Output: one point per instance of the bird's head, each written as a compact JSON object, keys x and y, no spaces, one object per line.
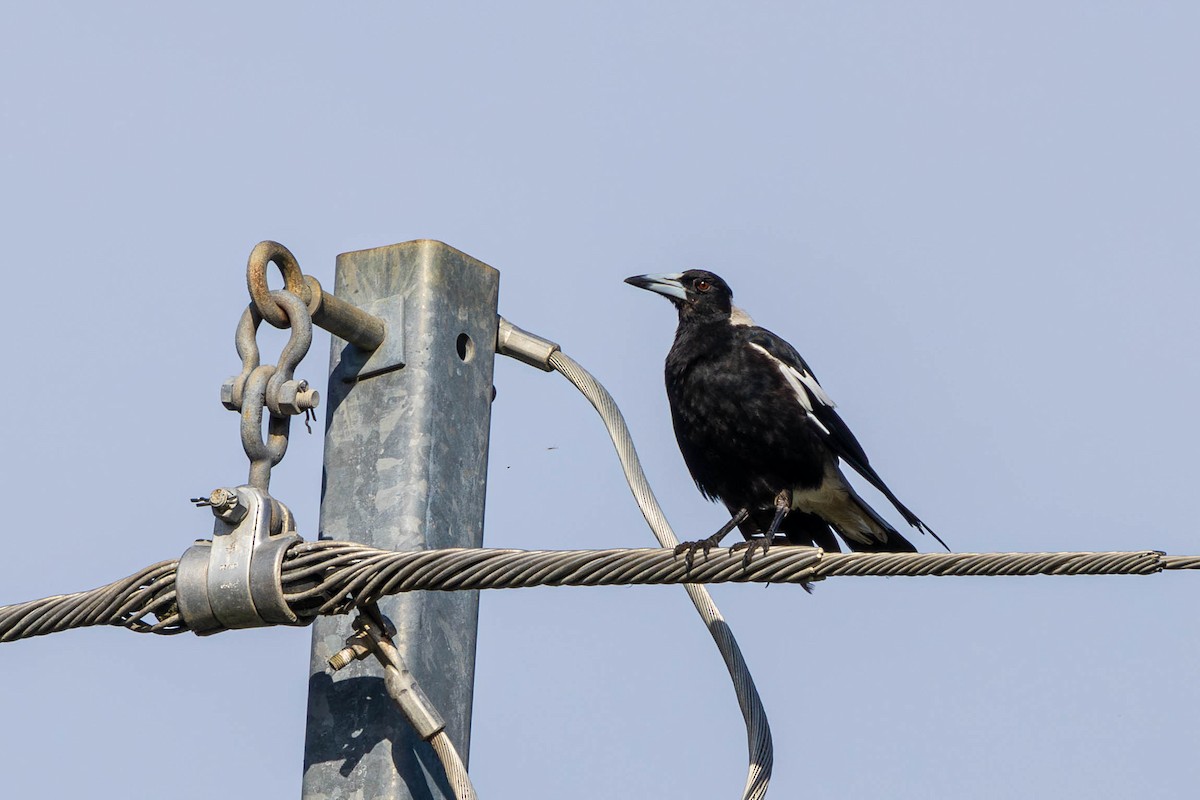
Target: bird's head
{"x":698,"y":294}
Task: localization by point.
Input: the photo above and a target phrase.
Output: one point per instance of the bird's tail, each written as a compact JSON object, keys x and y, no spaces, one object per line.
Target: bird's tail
{"x":849,"y":515}
{"x":896,"y":543}
{"x":867,"y":532}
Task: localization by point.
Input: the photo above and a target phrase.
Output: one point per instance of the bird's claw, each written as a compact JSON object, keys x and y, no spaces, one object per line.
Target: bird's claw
{"x":763,"y":542}
{"x":688,"y":549}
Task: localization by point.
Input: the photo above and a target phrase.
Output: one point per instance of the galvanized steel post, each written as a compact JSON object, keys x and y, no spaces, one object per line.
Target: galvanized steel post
{"x":405,"y":469}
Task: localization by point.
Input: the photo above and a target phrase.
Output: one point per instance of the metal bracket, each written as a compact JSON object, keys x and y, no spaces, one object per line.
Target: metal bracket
{"x":390,"y":353}
{"x":359,"y":364}
{"x":234,"y":580}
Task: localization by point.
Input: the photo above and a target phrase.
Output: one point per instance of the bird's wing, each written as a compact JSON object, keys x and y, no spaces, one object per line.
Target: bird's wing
{"x":820,"y":410}
{"x":795,"y":371}
{"x":812,"y":398}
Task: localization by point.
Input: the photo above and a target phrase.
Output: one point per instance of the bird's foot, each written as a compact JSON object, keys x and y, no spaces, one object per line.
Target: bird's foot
{"x":763,"y":542}
{"x":688,"y":549}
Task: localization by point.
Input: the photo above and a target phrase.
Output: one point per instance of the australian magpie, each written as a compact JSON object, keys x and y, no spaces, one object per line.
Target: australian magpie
{"x":759,"y":433}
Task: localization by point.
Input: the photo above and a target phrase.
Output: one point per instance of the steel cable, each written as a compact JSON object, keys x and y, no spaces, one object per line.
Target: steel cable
{"x":456,"y":771}
{"x":758,"y":729}
{"x":322,"y":577}
{"x":127,"y":602}
{"x":476,"y":568}
{"x":1181,"y":562}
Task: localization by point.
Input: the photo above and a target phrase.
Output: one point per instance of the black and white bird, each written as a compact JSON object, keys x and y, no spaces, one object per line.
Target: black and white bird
{"x":759,"y":433}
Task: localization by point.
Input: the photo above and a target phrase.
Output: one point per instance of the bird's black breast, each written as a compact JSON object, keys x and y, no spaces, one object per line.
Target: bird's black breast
{"x":742,"y":432}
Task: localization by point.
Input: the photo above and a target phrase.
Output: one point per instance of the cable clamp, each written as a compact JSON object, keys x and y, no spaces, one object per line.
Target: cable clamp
{"x":234,"y":581}
{"x":373,"y":633}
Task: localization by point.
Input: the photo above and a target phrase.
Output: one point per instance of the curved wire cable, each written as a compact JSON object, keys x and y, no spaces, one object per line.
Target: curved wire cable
{"x":456,"y":771}
{"x":758,"y":730}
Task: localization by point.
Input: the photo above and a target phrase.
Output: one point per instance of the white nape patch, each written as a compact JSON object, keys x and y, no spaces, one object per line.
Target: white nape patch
{"x":739,"y":317}
{"x":802,"y":382}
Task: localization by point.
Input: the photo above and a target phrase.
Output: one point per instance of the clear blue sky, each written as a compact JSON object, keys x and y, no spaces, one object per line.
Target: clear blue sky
{"x":978,"y":225}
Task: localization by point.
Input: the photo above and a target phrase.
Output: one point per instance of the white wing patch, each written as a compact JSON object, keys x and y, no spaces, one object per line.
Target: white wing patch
{"x":803,"y":384}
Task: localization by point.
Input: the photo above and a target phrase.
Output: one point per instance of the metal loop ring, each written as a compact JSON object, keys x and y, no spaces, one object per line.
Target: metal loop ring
{"x":263,"y":254}
{"x":294,"y":351}
{"x":258,"y":386}
{"x":300,"y":321}
{"x":247,"y":348}
{"x":263,"y":453}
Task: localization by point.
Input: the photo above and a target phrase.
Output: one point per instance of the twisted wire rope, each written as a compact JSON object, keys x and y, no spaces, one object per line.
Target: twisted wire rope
{"x":330,"y":572}
{"x":456,"y":771}
{"x":149,"y":592}
{"x":1181,"y":562}
{"x":474,"y":568}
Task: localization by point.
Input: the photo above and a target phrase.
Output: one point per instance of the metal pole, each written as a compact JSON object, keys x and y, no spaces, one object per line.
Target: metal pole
{"x":405,"y":469}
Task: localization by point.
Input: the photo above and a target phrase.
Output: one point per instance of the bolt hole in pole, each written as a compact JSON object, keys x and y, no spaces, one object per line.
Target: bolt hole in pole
{"x":465,"y":347}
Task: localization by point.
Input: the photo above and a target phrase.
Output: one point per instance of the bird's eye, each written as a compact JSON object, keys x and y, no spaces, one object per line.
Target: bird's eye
{"x":702,"y":285}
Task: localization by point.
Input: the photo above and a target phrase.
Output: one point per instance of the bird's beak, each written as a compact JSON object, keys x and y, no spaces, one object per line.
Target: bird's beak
{"x":667,"y":284}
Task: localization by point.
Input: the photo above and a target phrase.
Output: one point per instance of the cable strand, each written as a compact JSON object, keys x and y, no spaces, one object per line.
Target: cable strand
{"x":758,"y":729}
{"x":330,"y":570}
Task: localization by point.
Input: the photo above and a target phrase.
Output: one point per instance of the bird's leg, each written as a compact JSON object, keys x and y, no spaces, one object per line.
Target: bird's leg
{"x":783,"y":504}
{"x":690,"y":548}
